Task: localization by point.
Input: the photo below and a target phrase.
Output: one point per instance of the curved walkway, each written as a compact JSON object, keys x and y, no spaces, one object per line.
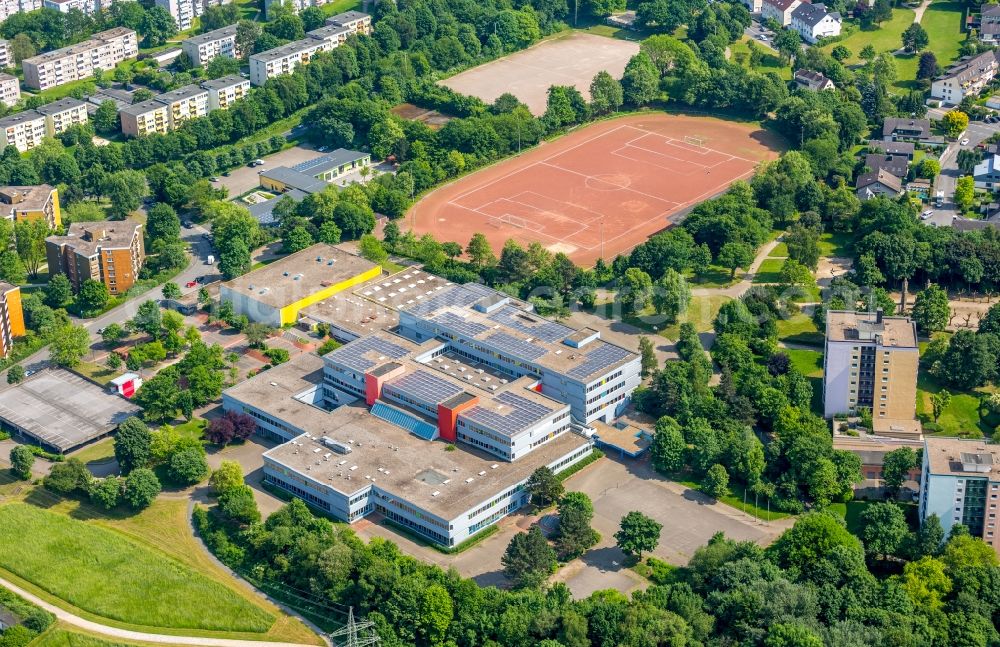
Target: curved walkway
{"x":126,"y":634}
{"x":737,"y":289}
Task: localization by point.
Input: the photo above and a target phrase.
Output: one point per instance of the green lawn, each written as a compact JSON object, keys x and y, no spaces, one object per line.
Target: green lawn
{"x":769,"y":271}
{"x":104,"y":573}
{"x":735,"y":499}
{"x":713,"y":276}
{"x":835,"y":243}
{"x":779,"y":251}
{"x":851,"y":512}
{"x":962,"y":417}
{"x":58,"y":637}
{"x":810,"y":364}
{"x":943,"y":23}
{"x":340,"y":6}
{"x":193,"y":428}
{"x":100,"y":452}
{"x":769,"y":62}
{"x":98,"y":373}
{"x":887,"y":38}
{"x":701,"y":312}
{"x":799,"y":329}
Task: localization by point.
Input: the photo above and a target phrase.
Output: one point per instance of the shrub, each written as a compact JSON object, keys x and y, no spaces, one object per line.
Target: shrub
{"x":187,"y":466}
{"x":68,"y":477}
{"x":141,"y":488}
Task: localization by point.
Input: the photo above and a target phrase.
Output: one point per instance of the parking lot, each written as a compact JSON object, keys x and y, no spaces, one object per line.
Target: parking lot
{"x":244,"y":178}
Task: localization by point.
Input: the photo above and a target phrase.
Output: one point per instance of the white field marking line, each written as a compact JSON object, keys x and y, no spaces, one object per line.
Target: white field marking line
{"x":709,"y":193}
{"x":593,"y":177}
{"x":693,"y":167}
{"x":667,"y":140}
{"x":488,"y":217}
{"x":693,"y":164}
{"x":726,"y":156}
{"x":597,"y":214}
{"x":541,"y":161}
{"x":541,"y":226}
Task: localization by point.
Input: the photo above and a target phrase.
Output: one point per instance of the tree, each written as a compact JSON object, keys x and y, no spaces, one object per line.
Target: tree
{"x":234,"y":259}
{"x":113,"y":333}
{"x":716,"y":482}
{"x":735,"y":255}
{"x":955,"y":122}
{"x":157,"y":26}
{"x":815,"y":537}
{"x":883,"y":528}
{"x":238,"y":504}
{"x":896,"y":467}
{"x":30,"y":243}
{"x":671,"y":295}
{"x":105,"y":119}
{"x":788,"y":43}
{"x":228,"y":476}
{"x":371,"y":248}
{"x":929,"y":168}
{"x":15,"y":374}
{"x":637,"y":534}
{"x":926,"y":583}
{"x":930,"y":309}
{"x":148,"y":318}
{"x":791,"y":635}
{"x":21,"y":47}
{"x":915,"y":38}
{"x":634,"y":291}
{"x":965,"y":192}
{"x":649,"y":361}
{"x":928,"y":67}
{"x":840,"y":53}
{"x":125,"y":189}
{"x":939,"y":402}
{"x":141,"y":488}
{"x":220,"y":431}
{"x":641,"y":81}
{"x":868,"y":53}
{"x":132,"y":445}
{"x":68,"y":477}
{"x":668,"y":447}
{"x":528,"y":559}
{"x":187,"y":466}
{"x":162,"y":222}
{"x":480,"y":253}
{"x":803,"y":245}
{"x":171,"y":290}
{"x":967,"y":161}
{"x":21,"y":460}
{"x":606,"y":94}
{"x":58,"y":292}
{"x":93,"y":296}
{"x":69,"y":345}
{"x":926,"y":542}
{"x":106,"y":492}
{"x":575,"y":535}
{"x":544,"y":487}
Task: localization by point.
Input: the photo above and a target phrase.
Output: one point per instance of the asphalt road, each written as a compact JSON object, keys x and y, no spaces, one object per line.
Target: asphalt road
{"x":976,"y":133}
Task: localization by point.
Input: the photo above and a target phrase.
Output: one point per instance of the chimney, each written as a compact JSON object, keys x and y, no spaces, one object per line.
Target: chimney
{"x":878,"y":316}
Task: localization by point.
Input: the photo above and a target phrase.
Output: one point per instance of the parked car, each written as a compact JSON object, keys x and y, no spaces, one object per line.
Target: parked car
{"x":225,"y":174}
{"x":213,"y":179}
{"x":187,"y":224}
{"x":964,"y":142}
{"x":190,"y":284}
{"x":927,"y":214}
{"x":100,"y":331}
{"x":323,"y":149}
{"x":30,"y":372}
{"x":202,"y":279}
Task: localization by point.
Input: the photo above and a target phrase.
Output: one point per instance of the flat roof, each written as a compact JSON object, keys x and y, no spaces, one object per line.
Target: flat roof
{"x":352,"y":313}
{"x":294,"y":179}
{"x":32,"y":197}
{"x":365,"y":353}
{"x":20,"y":118}
{"x":8,"y":77}
{"x":330,"y":29}
{"x":185,"y":92}
{"x":114,"y":32}
{"x":88,"y":237}
{"x":224,"y":82}
{"x":143,"y":107}
{"x":297,"y":275}
{"x":62,"y":105}
{"x":294,"y":47}
{"x":329,"y":161}
{"x":632,"y":440}
{"x":390,"y":457}
{"x":946,"y":456}
{"x":348,"y":16}
{"x":62,"y":409}
{"x":477,"y":312}
{"x":850,"y":326}
{"x":407,"y":286}
{"x":228,"y":31}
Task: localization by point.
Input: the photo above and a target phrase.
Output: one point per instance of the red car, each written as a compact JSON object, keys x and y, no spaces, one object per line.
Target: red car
{"x":190,"y":284}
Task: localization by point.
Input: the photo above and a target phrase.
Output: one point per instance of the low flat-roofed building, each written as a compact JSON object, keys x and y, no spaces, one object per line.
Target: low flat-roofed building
{"x":144,"y":118}
{"x":23,"y":130}
{"x":225,"y":91}
{"x":333,"y":165}
{"x":348,"y":316}
{"x":282,"y":179}
{"x":121,"y":98}
{"x":39,"y":202}
{"x":960,"y":483}
{"x":201,"y":49}
{"x":62,"y":411}
{"x":63,"y":114}
{"x":274,"y":294}
{"x":10,"y":89}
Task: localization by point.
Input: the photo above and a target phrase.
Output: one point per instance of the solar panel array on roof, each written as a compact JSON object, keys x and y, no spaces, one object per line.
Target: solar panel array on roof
{"x":523,"y":413}
{"x":515,"y":347}
{"x":455,"y":295}
{"x":604,"y":356}
{"x":423,"y":386}
{"x":534,"y":326}
{"x":460,"y":325}
{"x":352,"y":355}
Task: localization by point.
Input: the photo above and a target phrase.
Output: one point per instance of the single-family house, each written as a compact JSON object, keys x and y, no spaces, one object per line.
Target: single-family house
{"x":898,"y":165}
{"x":878,"y":183}
{"x":812,"y":80}
{"x":986,"y":175}
{"x":896,"y":129}
{"x":892,"y":148}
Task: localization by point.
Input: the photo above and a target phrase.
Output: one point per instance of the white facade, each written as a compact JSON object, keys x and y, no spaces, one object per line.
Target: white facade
{"x":10,"y":89}
{"x":284,"y":59}
{"x":61,"y":115}
{"x":966,"y":78}
{"x":103,"y":51}
{"x":182,"y":11}
{"x":6,"y":59}
{"x":780,"y":10}
{"x":184,"y":104}
{"x":145,"y":118}
{"x":10,"y":7}
{"x":203,"y":48}
{"x":222,"y":93}
{"x":23,"y":131}
{"x":813,"y":22}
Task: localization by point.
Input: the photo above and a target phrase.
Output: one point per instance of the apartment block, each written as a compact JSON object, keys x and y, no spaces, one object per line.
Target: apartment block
{"x":23,"y":130}
{"x":10,"y":7}
{"x":965,"y":78}
{"x":109,"y":252}
{"x":357,"y":21}
{"x":11,"y":316}
{"x":145,"y":118}
{"x":184,"y":104}
{"x":335,"y":35}
{"x":62,"y":114}
{"x":871,"y":361}
{"x":103,"y":51}
{"x":183,"y":11}
{"x":10,"y":89}
{"x":284,"y":59}
{"x":6,"y":59}
{"x":222,"y":93}
{"x":201,"y":49}
{"x":39,"y":202}
{"x":86,"y":6}
{"x":296,"y":5}
{"x":960,"y":483}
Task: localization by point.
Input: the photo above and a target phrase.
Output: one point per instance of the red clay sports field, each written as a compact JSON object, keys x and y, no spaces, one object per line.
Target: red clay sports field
{"x":599,"y":191}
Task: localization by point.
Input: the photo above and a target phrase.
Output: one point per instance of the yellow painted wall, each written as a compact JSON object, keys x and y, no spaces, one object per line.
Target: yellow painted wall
{"x":290,"y":313}
{"x":272,"y":185}
{"x":56,"y":214}
{"x":14,"y":312}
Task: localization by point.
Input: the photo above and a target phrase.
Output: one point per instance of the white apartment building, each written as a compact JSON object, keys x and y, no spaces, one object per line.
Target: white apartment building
{"x":6,"y":59}
{"x":284,"y":59}
{"x":183,"y":11}
{"x":10,"y":89}
{"x":813,"y":22}
{"x":960,"y":483}
{"x":335,"y":35}
{"x":780,"y":10}
{"x":222,"y":93}
{"x":103,"y":51}
{"x":62,"y":114}
{"x":86,"y":6}
{"x":357,"y":21}
{"x":145,"y":118}
{"x":23,"y":131}
{"x":204,"y":47}
{"x":188,"y":102}
{"x":967,"y":77}
{"x":10,"y":7}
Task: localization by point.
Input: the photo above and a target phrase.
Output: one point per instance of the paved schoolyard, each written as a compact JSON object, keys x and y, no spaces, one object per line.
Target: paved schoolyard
{"x":244,"y":178}
{"x":571,"y":60}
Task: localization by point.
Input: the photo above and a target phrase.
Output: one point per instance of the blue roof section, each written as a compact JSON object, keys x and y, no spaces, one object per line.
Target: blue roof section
{"x":405,"y":421}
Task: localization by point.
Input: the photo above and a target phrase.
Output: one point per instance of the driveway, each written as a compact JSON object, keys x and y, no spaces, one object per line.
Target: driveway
{"x":244,"y":178}
{"x":976,"y":133}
